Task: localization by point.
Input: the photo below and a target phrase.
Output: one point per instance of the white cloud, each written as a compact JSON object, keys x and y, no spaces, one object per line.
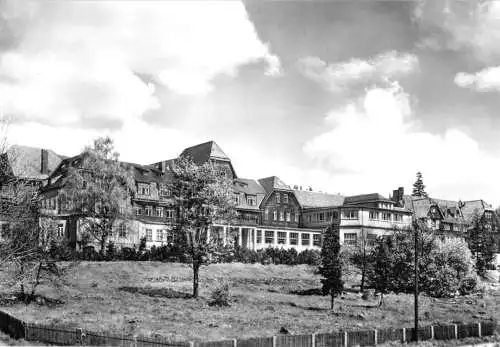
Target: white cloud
{"x":374,"y":144}
{"x":80,"y":61}
{"x":137,"y":141}
{"x":487,"y":79}
{"x":344,"y":75}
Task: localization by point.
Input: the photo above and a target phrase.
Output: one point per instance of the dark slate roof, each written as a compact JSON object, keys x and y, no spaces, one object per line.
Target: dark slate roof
{"x":272,"y":183}
{"x":248,"y":186}
{"x":203,"y":152}
{"x":316,"y":199}
{"x":355,"y":199}
{"x":25,"y":162}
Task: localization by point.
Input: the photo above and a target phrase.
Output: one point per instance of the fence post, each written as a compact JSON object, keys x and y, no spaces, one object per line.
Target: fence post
{"x":404,"y":334}
{"x":479,"y":329}
{"x":135,"y":340}
{"x":375,"y":338}
{"x":456,"y":331}
{"x":235,"y":342}
{"x":313,"y":340}
{"x":191,"y":343}
{"x":345,"y":338}
{"x":79,"y":333}
{"x":26,"y":330}
{"x":432,"y":332}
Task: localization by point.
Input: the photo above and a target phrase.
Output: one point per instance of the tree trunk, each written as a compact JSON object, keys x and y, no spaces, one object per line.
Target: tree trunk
{"x":196,"y":271}
{"x":37,"y":280}
{"x":363,"y":272}
{"x":23,"y":296}
{"x":332,"y":297}
{"x":381,"y":302}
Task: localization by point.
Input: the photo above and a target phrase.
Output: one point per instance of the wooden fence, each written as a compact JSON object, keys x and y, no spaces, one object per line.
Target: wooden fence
{"x":67,"y":337}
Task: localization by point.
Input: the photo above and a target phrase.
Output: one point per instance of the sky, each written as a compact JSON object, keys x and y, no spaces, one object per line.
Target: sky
{"x":345,"y":97}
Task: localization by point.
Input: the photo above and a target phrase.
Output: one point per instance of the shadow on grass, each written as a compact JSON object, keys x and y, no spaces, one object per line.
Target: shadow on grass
{"x":308,"y":308}
{"x":312,"y":291}
{"x":317,"y":291}
{"x":16,"y":298}
{"x":157,"y":292}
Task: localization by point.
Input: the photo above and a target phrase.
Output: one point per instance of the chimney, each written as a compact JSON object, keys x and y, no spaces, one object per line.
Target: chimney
{"x":162,"y":166}
{"x":44,"y":162}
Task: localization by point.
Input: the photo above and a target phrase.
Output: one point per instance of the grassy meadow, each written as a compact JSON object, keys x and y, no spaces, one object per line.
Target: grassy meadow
{"x":149,"y":298}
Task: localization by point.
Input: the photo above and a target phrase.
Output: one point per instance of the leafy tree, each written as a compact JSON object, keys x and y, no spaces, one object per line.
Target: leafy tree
{"x":379,"y":276}
{"x":419,"y":187}
{"x":481,"y":243}
{"x":361,"y":257}
{"x":331,"y":265}
{"x":445,"y":264}
{"x":203,"y":196}
{"x":99,"y":188}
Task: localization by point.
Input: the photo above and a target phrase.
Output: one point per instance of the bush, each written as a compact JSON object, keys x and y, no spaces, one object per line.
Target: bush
{"x":220,"y":295}
{"x":110,"y":251}
{"x":468,"y":285}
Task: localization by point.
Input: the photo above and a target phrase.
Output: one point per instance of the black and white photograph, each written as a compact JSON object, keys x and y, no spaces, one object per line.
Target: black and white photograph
{"x":250,"y":173}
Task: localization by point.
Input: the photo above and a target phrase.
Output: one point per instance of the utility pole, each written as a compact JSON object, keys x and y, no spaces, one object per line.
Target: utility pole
{"x":416,"y":280}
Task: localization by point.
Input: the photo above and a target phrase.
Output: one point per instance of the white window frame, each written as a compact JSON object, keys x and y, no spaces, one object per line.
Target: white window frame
{"x":159,"y":212}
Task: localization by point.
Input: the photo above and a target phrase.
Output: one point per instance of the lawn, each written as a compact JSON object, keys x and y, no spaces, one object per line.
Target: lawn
{"x":146,"y":298}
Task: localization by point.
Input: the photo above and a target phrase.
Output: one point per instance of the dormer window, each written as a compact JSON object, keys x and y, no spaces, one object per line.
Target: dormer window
{"x":285,"y":198}
{"x":251,"y":200}
{"x":277,"y":198}
{"x":143,"y":189}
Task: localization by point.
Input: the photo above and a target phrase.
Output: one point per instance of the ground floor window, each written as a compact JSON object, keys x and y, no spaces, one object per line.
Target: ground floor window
{"x":294,"y":239}
{"x":122,"y":230}
{"x":60,"y":230}
{"x":350,"y":238}
{"x":305,"y":239}
{"x":317,"y":240}
{"x":281,"y":237}
{"x":159,"y":235}
{"x":259,"y":236}
{"x":149,"y":235}
{"x":269,"y":236}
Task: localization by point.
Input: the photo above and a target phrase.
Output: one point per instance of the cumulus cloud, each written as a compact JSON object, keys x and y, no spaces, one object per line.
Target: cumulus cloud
{"x":485,"y":80}
{"x":81,"y":62}
{"x":472,"y":25}
{"x":375,"y":144}
{"x":356,"y":72}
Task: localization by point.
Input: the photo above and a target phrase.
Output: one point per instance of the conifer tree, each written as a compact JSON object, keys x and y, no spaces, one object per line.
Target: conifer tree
{"x":331,"y":268}
{"x":380,"y":274}
{"x":419,"y":187}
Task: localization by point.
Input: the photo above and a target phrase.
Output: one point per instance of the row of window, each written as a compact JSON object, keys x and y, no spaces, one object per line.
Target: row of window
{"x":386,"y":216}
{"x":352,"y":239}
{"x":145,"y":189}
{"x":157,"y":212}
{"x":320,"y":217}
{"x":251,"y":200}
{"x":282,"y":215}
{"x":161,"y":235}
{"x":281,"y":238}
{"x":281,"y":198}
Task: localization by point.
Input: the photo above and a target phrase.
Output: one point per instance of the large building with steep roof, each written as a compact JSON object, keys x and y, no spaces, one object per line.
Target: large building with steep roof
{"x":270,"y":212}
